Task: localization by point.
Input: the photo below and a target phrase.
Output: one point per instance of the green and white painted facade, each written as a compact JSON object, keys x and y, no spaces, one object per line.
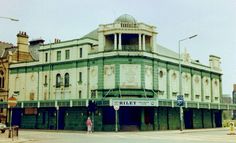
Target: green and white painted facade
{"x":118,"y":63}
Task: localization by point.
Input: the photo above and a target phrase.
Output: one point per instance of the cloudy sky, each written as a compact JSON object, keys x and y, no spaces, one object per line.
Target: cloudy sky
{"x":213,"y":20}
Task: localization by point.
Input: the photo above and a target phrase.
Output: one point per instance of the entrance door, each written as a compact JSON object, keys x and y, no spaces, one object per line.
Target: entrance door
{"x":218,"y":119}
{"x":188,"y":119}
{"x":129,"y":118}
{"x":61,"y":123}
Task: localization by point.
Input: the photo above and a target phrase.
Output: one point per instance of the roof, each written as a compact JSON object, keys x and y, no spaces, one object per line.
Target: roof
{"x":166,"y":52}
{"x":125,"y":18}
{"x":34,"y":51}
{"x":4,"y":45}
{"x":92,"y":35}
{"x":7,"y":50}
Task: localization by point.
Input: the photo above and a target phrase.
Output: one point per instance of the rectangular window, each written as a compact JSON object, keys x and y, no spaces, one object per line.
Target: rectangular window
{"x":80,"y":94}
{"x":174,"y":94}
{"x":93,"y":93}
{"x":197,"y":96}
{"x":80,"y":52}
{"x":80,"y":76}
{"x":186,"y":95}
{"x":45,"y":80}
{"x":207,"y":97}
{"x":58,"y":55}
{"x":67,"y":54}
{"x":46,"y":57}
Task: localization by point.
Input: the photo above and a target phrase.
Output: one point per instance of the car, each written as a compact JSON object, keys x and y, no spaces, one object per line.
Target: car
{"x":3,"y":127}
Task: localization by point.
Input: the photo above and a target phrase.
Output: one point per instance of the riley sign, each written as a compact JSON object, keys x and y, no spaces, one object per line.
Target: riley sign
{"x":134,"y":102}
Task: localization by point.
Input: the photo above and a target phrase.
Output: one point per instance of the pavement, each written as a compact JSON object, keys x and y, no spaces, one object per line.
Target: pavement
{"x":216,"y":135}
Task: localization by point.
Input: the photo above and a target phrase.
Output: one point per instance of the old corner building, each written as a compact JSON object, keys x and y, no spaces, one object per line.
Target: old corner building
{"x":117,"y":64}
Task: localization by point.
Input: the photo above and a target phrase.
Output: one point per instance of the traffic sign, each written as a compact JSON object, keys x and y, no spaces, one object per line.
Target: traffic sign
{"x":116,"y":107}
{"x":180,"y":100}
{"x":12,"y":101}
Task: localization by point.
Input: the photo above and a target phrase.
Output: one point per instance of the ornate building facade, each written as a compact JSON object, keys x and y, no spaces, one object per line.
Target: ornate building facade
{"x":118,"y":64}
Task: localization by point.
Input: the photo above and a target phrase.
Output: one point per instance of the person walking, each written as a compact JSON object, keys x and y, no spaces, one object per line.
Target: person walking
{"x":89,"y":125}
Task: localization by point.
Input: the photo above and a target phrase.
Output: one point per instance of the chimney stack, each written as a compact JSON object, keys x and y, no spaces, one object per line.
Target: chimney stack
{"x":22,"y":41}
{"x":57,"y":40}
{"x":234,"y":87}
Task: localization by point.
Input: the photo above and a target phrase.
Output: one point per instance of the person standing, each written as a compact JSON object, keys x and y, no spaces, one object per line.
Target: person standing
{"x":89,"y":125}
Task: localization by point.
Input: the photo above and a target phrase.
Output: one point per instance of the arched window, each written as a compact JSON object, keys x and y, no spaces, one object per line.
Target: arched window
{"x":67,"y":80}
{"x":58,"y":80}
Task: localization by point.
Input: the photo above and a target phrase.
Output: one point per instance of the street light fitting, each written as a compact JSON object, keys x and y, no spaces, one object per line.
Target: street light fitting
{"x":192,"y":36}
{"x":10,"y":18}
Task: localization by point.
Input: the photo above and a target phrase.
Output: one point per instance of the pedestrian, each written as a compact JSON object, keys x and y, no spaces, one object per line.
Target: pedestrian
{"x":89,"y":125}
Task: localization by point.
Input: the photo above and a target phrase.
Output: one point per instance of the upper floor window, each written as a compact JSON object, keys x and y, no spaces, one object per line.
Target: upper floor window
{"x":67,"y":54}
{"x":80,"y":93}
{"x":67,"y":80}
{"x":46,"y":57}
{"x":45,"y":80}
{"x":58,"y":80}
{"x":2,"y":80}
{"x":80,"y":52}
{"x":80,"y":76}
{"x":58,"y":55}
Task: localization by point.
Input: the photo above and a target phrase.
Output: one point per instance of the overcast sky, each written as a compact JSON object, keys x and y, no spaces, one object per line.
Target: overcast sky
{"x":213,"y":20}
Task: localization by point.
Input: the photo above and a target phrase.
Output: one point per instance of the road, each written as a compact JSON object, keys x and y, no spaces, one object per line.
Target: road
{"x":193,"y":136}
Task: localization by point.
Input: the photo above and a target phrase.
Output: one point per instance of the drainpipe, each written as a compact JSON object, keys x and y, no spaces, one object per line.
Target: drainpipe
{"x":50,"y":58}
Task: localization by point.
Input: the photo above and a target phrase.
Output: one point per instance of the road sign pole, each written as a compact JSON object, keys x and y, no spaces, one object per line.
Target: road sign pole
{"x":116,"y":108}
{"x":116,"y":122}
{"x":181,"y":117}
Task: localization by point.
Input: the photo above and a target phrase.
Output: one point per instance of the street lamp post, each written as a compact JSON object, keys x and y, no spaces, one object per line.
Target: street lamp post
{"x":180,"y":81}
{"x":9,"y":18}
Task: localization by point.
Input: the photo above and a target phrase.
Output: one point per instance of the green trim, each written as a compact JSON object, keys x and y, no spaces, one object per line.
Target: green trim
{"x":113,"y":60}
{"x":221,"y":91}
{"x":162,"y":64}
{"x":202,"y":92}
{"x":207,"y":74}
{"x":186,"y":70}
{"x":142,"y":76}
{"x":100,"y":76}
{"x":196,"y":72}
{"x":215,"y":76}
{"x":172,"y":67}
{"x":155,"y":75}
{"x":65,"y":46}
{"x":167,"y":84}
{"x":192,"y":93}
{"x":117,"y":75}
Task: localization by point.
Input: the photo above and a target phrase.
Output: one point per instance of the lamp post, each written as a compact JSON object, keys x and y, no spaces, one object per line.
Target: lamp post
{"x":180,"y":81}
{"x":9,"y":18}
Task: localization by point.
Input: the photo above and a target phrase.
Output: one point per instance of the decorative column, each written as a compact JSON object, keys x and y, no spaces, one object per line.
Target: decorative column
{"x":139,"y":42}
{"x":144,"y":46}
{"x":142,"y":119}
{"x":115,"y":42}
{"x":155,"y":120}
{"x":120,"y":42}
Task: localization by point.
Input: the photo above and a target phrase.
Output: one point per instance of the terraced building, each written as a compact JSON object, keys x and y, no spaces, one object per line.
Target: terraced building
{"x":118,"y":64}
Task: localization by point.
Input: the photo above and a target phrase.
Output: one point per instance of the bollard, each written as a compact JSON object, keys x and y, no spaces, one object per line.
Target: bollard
{"x":231,"y":129}
{"x":9,"y":135}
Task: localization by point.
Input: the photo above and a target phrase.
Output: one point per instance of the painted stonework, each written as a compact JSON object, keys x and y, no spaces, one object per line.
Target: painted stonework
{"x":109,"y":76}
{"x":197,"y":96}
{"x":130,"y":76}
{"x":148,"y":77}
{"x":206,"y":89}
{"x":186,"y":84}
{"x":162,"y":82}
